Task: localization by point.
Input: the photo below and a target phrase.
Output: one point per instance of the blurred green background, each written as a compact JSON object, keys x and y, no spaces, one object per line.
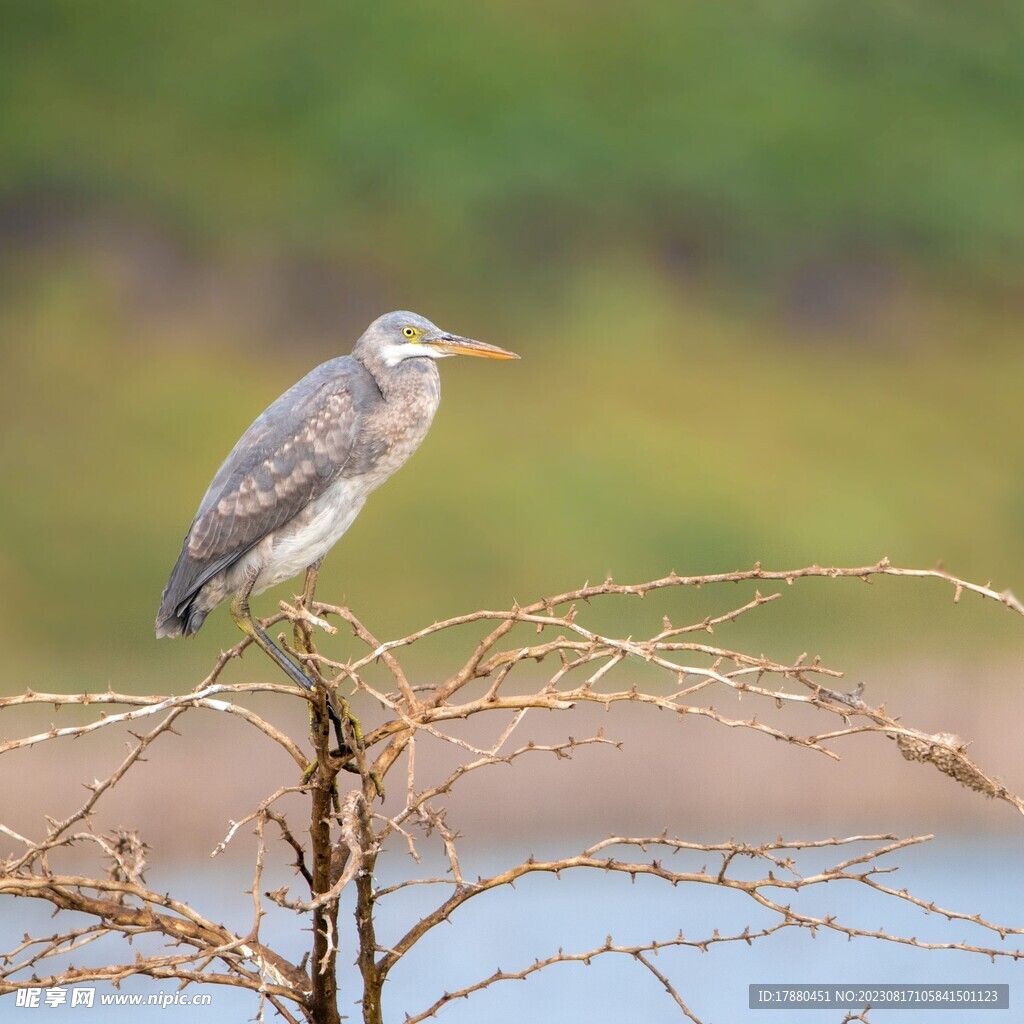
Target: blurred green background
{"x":762,"y":262}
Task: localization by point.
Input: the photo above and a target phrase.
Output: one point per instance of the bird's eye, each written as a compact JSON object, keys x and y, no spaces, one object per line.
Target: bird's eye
{"x":409,"y":332}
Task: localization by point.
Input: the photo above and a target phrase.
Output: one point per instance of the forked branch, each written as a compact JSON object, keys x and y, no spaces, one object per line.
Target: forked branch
{"x":545,"y":655}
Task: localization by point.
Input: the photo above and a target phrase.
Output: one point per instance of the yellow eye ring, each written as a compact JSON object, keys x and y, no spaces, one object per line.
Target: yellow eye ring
{"x":409,"y":332}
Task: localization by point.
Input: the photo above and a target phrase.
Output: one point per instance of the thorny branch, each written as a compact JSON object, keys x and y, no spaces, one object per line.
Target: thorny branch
{"x":346,"y":835}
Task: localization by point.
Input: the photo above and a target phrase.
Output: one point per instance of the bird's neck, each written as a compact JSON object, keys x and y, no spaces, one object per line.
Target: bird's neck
{"x":405,"y":379}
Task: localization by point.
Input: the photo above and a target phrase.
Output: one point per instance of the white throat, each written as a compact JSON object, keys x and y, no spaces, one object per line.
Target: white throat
{"x":392,"y":355}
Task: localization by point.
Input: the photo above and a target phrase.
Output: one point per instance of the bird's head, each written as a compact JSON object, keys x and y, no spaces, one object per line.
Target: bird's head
{"x":397,"y":336}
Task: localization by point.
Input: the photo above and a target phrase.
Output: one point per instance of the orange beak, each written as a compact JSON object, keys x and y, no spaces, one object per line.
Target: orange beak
{"x":467,"y":347}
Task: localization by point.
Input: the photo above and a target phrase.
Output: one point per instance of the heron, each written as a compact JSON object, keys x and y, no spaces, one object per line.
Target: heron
{"x":299,"y":476}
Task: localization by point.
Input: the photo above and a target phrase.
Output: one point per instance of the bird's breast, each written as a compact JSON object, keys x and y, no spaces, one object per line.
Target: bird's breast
{"x":310,"y":534}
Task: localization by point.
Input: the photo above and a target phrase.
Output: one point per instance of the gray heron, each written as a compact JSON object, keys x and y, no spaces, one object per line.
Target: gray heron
{"x":299,"y":476}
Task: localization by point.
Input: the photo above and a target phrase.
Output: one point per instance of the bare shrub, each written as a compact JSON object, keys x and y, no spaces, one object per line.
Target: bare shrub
{"x":345,"y":835}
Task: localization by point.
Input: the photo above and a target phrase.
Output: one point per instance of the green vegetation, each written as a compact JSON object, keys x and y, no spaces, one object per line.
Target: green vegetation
{"x":757,"y":129}
{"x":756,"y":258}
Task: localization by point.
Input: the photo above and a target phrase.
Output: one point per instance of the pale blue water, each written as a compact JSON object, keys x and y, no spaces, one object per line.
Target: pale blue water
{"x":510,"y":928}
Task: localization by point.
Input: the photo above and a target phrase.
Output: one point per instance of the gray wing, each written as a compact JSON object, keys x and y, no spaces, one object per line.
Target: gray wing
{"x":289,"y":456}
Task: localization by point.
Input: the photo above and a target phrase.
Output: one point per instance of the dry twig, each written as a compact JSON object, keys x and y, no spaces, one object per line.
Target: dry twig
{"x":346,"y":835}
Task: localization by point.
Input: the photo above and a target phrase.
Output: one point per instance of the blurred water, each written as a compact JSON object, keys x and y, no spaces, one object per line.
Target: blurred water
{"x":510,"y":928}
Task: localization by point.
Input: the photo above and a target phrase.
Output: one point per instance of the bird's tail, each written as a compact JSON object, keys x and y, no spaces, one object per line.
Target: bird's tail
{"x":168,"y":625}
{"x":180,"y":614}
{"x":184,"y":622}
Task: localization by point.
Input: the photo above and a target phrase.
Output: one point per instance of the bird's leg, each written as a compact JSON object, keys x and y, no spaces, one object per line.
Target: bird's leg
{"x":304,"y":643}
{"x":303,"y":636}
{"x":244,"y":620}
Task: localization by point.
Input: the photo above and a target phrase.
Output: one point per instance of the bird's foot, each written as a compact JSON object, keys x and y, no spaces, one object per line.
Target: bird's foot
{"x":354,"y":724}
{"x":340,"y":714}
{"x":378,"y":783}
{"x":345,"y":752}
{"x":349,"y":766}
